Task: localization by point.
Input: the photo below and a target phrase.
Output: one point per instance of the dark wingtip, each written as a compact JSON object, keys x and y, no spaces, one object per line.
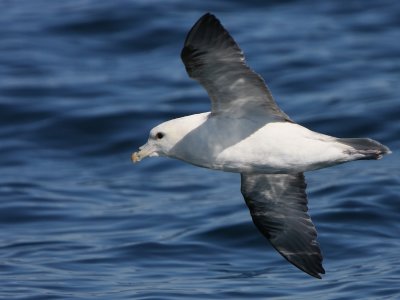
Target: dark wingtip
{"x":207,"y":35}
{"x":314,"y":273}
{"x":207,"y":20}
{"x":207,"y":15}
{"x":314,"y":269}
{"x":318,"y":273}
{"x":188,"y":49}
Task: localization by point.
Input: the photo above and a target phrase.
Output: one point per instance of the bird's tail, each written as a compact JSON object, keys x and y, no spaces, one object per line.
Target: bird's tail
{"x":365,"y":148}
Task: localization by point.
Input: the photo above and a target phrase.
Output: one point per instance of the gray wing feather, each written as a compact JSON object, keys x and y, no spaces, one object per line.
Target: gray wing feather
{"x":213,"y":58}
{"x":278,"y":206}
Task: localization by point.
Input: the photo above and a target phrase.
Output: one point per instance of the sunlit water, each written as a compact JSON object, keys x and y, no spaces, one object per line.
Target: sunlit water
{"x":81,"y":84}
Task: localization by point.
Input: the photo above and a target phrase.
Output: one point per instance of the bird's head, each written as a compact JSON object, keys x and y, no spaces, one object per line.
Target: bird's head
{"x":161,"y":139}
{"x":164,"y":139}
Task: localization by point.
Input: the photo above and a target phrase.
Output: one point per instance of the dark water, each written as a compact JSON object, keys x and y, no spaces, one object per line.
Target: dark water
{"x":81,"y":84}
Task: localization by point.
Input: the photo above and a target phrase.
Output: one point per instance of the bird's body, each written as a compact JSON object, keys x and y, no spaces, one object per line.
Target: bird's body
{"x":246,"y":132}
{"x":254,"y":146}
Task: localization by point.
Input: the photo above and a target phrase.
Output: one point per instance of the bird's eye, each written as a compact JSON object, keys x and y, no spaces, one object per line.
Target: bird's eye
{"x":159,"y":135}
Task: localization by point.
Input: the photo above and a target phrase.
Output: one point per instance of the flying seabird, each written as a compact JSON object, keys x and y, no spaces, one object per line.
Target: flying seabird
{"x":247,"y":133}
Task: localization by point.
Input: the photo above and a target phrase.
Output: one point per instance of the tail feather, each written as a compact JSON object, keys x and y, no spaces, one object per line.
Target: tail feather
{"x":367,"y":148}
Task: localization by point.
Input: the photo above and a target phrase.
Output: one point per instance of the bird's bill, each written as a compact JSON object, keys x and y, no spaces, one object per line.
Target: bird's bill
{"x":144,"y":151}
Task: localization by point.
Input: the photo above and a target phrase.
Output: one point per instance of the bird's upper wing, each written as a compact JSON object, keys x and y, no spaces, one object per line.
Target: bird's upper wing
{"x":278,"y":206}
{"x":212,"y":57}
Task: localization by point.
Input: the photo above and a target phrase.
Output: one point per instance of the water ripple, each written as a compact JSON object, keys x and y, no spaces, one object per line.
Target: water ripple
{"x":84,"y":81}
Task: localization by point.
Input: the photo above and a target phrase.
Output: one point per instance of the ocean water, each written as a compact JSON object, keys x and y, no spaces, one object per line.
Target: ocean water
{"x":82,"y":83}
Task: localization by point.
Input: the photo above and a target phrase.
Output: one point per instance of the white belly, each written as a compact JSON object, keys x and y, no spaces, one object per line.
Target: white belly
{"x":281,"y":148}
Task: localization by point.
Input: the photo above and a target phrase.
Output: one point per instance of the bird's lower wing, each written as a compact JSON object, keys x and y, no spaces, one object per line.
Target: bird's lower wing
{"x":278,"y":206}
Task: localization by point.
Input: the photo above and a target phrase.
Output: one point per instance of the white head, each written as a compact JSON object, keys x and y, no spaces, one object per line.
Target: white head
{"x":165,"y":136}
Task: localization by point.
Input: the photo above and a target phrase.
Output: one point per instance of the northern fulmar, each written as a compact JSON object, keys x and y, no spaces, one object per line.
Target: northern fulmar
{"x":247,"y":133}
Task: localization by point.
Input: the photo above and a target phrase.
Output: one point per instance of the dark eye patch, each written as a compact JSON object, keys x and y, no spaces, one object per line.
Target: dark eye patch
{"x":159,"y":135}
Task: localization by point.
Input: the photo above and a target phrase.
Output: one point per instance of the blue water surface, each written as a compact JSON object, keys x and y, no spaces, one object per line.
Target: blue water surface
{"x":82,"y":83}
